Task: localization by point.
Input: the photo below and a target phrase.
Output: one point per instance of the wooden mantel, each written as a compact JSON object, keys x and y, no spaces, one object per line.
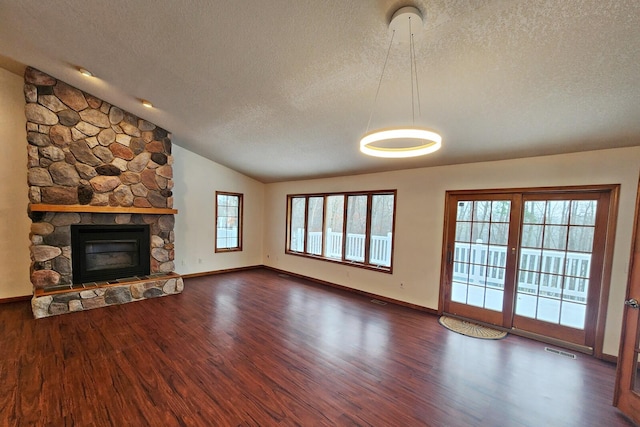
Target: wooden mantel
{"x":40,"y":207}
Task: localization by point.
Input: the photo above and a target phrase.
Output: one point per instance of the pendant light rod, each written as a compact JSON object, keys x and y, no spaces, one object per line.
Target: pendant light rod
{"x":411,"y":67}
{"x":384,"y":67}
{"x":415,"y":67}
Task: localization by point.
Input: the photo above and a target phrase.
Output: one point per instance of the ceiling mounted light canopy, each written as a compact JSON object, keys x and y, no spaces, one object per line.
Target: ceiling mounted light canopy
{"x":409,"y":141}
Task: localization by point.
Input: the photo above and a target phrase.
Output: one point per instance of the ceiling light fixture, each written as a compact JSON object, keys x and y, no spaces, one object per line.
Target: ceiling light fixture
{"x":85,"y":72}
{"x":406,"y":141}
{"x":146,"y":103}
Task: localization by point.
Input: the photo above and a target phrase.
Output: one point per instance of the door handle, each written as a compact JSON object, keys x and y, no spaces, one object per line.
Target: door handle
{"x":632,"y":303}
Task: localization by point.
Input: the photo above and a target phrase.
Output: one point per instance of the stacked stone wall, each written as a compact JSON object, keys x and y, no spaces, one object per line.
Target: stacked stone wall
{"x":83,"y":151}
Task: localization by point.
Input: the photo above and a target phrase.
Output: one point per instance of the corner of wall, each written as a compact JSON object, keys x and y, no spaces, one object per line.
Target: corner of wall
{"x":14,"y":223}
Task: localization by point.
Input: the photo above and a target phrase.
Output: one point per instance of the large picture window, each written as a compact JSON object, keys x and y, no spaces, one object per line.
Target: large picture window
{"x":228,"y":222}
{"x":352,"y":228}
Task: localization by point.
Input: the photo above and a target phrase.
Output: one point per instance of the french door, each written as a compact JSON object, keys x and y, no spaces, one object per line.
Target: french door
{"x":627,"y":391}
{"x":529,"y":260}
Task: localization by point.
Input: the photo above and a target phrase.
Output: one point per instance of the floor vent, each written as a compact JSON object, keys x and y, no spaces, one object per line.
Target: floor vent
{"x":560,"y":352}
{"x":377,"y":301}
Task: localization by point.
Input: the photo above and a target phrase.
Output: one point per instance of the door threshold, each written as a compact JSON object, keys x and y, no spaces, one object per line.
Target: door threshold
{"x":549,"y":340}
{"x":536,"y":337}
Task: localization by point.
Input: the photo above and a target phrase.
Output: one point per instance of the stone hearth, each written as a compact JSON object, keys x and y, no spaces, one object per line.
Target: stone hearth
{"x":95,"y":295}
{"x":92,"y":163}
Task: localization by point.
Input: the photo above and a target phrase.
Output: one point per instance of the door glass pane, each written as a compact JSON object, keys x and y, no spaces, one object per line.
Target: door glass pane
{"x":580,"y":239}
{"x":480,"y":253}
{"x":550,"y":286}
{"x":475,"y":295}
{"x":573,"y":314}
{"x":583,"y":212}
{"x":532,"y":236}
{"x":553,"y":282}
{"x":298,"y":208}
{"x":381,"y":228}
{"x":464,"y":211}
{"x":534,"y":212}
{"x":500,"y":211}
{"x":459,"y":292}
{"x":552,"y":262}
{"x":463,"y":231}
{"x":480,"y":232}
{"x":497,"y":256}
{"x":548,"y":310}
{"x":482,"y":211}
{"x":530,"y":260}
{"x":334,"y":220}
{"x":356,"y":228}
{"x":461,"y":256}
{"x":555,"y":237}
{"x":314,"y":225}
{"x":557,"y":212}
{"x":499,"y":234}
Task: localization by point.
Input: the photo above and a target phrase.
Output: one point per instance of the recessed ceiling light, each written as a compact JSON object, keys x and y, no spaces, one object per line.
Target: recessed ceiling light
{"x":85,"y":72}
{"x":146,"y":103}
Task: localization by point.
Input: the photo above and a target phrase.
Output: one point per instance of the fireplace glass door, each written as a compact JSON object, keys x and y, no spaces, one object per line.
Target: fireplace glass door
{"x":111,"y":254}
{"x":108,"y":252}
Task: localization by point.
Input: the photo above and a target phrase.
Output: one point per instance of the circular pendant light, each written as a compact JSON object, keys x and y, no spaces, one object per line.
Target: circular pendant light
{"x":407,"y":141}
{"x":400,"y":143}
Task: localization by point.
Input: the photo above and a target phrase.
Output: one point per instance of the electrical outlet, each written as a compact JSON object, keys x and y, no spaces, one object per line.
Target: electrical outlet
{"x":199,"y":260}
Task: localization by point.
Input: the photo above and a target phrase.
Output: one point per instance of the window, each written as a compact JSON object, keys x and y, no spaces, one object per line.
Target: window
{"x":351,"y":228}
{"x":228,"y":222}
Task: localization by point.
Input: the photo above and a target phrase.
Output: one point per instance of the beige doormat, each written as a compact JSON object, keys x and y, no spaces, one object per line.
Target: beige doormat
{"x":471,"y":329}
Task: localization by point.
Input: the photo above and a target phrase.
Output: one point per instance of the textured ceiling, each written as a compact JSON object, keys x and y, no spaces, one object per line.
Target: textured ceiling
{"x":282,"y":90}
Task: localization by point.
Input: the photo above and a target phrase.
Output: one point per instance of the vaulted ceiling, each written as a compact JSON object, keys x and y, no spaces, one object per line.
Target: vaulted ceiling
{"x":282,"y":90}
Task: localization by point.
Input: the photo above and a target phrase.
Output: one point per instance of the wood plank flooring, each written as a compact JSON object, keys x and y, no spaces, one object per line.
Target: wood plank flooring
{"x":257,"y":349}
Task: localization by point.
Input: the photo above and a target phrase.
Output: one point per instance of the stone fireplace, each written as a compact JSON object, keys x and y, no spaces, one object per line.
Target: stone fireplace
{"x":96,"y":173}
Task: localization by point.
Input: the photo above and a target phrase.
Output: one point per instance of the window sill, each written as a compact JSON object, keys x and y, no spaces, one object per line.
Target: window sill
{"x":222,"y":250}
{"x":380,"y":269}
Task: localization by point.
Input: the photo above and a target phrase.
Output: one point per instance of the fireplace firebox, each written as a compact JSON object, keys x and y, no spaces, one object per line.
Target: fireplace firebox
{"x":108,"y":252}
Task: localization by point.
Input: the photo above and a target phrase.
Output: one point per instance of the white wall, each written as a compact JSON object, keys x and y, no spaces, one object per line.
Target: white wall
{"x":420,"y":219}
{"x":196,"y":181}
{"x":14,"y":222}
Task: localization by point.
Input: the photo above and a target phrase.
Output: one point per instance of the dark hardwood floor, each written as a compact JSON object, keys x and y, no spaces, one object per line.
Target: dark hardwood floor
{"x":257,"y":349}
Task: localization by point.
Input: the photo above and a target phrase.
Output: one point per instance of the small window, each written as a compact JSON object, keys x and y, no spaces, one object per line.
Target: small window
{"x":228,"y":222}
